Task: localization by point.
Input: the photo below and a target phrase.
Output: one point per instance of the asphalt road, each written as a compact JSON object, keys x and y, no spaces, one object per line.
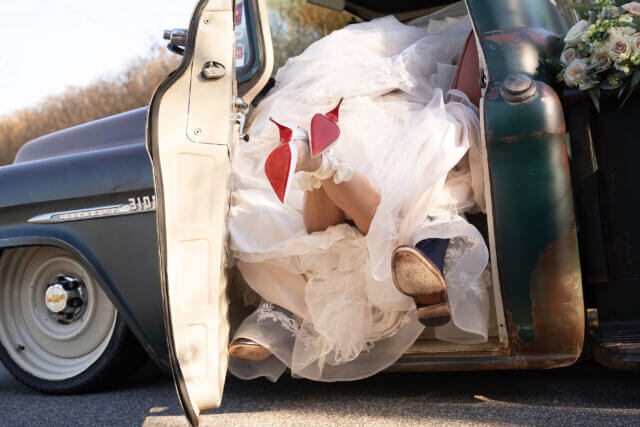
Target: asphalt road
{"x":574,"y":396}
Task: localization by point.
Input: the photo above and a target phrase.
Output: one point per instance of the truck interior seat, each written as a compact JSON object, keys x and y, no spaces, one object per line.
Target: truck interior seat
{"x":467,"y":78}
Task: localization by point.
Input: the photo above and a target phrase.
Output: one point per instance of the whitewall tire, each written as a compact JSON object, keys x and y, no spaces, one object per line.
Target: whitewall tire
{"x":59,"y":332}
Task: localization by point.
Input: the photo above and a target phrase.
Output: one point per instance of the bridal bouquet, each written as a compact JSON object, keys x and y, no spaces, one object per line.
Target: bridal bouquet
{"x":602,"y":50}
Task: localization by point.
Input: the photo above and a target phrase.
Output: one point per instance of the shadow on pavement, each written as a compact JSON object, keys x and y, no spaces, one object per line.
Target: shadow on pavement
{"x":576,"y":395}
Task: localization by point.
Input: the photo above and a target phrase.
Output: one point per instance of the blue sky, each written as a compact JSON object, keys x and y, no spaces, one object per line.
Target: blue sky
{"x":48,"y":45}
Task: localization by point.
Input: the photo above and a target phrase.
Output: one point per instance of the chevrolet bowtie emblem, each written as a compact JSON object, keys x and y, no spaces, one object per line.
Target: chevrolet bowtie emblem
{"x":54,"y":298}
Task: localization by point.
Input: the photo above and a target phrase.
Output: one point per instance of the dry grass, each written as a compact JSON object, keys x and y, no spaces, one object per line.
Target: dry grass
{"x":322,"y":20}
{"x":295,"y":25}
{"x":131,"y":89}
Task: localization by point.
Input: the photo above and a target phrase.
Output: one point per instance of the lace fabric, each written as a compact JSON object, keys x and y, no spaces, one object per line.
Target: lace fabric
{"x":331,"y":167}
{"x":409,"y":134}
{"x":268,"y":311}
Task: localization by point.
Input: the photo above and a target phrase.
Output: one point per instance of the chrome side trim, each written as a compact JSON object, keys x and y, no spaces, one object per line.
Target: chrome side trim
{"x":136,"y":205}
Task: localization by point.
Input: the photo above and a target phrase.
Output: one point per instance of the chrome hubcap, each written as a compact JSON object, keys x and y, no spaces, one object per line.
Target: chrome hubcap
{"x":66,"y":298}
{"x":55,"y":321}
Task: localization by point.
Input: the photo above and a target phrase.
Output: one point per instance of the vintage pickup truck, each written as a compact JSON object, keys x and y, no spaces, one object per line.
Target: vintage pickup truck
{"x":107,"y":226}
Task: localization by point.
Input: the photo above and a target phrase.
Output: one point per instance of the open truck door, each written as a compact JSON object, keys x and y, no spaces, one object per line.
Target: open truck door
{"x":195,"y":115}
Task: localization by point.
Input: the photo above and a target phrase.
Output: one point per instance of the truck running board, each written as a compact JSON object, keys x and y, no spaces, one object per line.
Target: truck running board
{"x":617,"y":345}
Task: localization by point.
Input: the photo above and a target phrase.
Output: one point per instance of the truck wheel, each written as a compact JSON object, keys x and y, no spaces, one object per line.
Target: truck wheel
{"x":59,"y":332}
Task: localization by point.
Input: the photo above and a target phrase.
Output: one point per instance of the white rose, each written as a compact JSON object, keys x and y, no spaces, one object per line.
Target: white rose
{"x":574,"y":35}
{"x":603,"y":58}
{"x":632,"y":8}
{"x":621,"y":31}
{"x":568,"y":55}
{"x":626,"y":18}
{"x":575,"y":72}
{"x":618,"y":46}
{"x":635,"y":43}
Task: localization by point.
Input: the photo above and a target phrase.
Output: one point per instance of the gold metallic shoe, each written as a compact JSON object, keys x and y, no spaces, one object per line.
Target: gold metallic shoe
{"x":246,"y":349}
{"x":416,"y":276}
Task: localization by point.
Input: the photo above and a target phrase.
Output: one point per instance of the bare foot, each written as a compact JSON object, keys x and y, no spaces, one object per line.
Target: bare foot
{"x":306,"y":163}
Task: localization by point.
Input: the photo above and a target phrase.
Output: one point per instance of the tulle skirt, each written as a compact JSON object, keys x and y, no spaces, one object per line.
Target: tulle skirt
{"x":331,"y":311}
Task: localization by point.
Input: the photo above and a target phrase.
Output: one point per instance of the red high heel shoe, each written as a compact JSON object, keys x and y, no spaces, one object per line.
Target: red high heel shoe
{"x":324,"y":131}
{"x":281,"y":162}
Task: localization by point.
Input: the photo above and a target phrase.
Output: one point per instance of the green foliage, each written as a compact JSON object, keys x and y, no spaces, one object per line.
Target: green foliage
{"x":606,"y":49}
{"x":594,"y":93}
{"x":635,"y":79}
{"x":581,"y":8}
{"x":583,"y":50}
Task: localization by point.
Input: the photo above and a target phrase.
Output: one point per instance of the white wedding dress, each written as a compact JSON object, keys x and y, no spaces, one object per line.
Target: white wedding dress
{"x":403,"y":128}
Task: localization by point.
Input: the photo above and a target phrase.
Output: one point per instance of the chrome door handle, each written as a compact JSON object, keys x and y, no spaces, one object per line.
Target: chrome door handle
{"x":213,"y":70}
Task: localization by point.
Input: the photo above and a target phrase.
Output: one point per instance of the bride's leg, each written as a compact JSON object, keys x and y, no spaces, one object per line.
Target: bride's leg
{"x":319,"y":212}
{"x":356,"y":197}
